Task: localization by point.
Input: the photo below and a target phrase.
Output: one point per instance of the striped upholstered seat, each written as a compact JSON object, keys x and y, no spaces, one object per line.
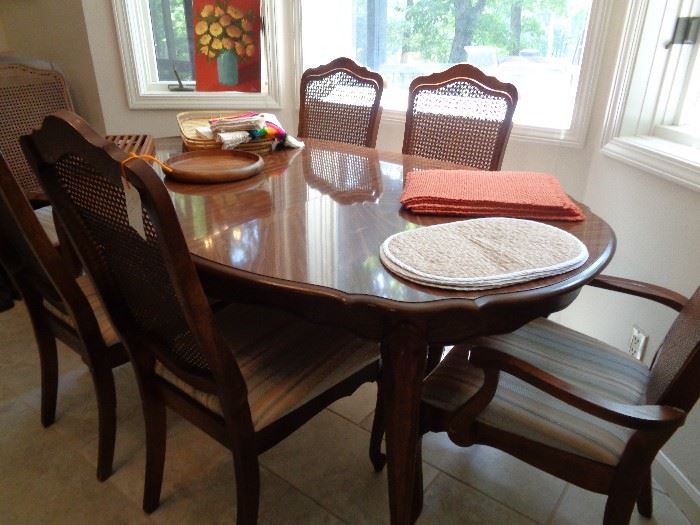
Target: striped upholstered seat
{"x":285,"y":361}
{"x":524,"y":410}
{"x":107,"y":330}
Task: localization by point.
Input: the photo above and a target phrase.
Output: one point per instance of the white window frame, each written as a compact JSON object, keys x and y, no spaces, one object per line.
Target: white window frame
{"x":640,"y":128}
{"x":575,"y":136}
{"x":132,"y":19}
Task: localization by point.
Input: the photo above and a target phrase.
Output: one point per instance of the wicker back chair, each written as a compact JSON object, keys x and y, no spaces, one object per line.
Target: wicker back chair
{"x":60,"y":308}
{"x":460,"y":115}
{"x":572,"y":405}
{"x":27,"y":95}
{"x":248,"y":376}
{"x":340,"y":101}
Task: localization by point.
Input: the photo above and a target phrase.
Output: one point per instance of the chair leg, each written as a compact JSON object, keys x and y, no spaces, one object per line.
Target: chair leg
{"x":245,"y":462}
{"x":376,"y":456}
{"x":107,"y":416}
{"x":645,"y":499}
{"x":48,"y":359}
{"x":417,"y":506}
{"x":620,"y":504}
{"x":156,"y":428}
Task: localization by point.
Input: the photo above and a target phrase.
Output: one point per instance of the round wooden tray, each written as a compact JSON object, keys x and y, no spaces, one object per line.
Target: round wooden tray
{"x":214,"y":165}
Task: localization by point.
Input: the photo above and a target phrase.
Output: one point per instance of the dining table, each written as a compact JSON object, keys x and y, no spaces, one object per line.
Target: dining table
{"x":304,"y":234}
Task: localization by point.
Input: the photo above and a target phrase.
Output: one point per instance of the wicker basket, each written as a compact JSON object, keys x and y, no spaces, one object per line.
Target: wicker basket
{"x":189,"y":121}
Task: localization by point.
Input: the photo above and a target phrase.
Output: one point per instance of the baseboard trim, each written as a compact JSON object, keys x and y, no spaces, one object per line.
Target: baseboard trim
{"x":683,"y":493}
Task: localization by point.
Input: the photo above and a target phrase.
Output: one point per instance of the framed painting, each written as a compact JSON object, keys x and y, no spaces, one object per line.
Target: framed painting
{"x":227,"y":45}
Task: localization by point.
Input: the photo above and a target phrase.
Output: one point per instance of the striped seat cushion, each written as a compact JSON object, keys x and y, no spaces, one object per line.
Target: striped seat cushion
{"x":524,"y":410}
{"x":45,"y":216}
{"x":285,"y":360}
{"x":109,"y":334}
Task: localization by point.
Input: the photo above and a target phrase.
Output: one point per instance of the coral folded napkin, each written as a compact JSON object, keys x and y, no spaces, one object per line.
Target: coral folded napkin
{"x":519,"y":194}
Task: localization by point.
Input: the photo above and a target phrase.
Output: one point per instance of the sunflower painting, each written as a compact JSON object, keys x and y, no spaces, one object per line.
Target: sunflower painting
{"x":227,"y":45}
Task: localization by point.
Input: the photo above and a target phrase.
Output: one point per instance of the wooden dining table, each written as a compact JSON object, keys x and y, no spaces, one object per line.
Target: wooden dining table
{"x":304,"y":235}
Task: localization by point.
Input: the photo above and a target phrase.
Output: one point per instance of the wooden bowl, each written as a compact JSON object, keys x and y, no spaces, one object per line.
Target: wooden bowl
{"x":212,"y":166}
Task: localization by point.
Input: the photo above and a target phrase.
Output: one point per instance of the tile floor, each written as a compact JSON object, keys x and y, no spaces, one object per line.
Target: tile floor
{"x":320,"y":475}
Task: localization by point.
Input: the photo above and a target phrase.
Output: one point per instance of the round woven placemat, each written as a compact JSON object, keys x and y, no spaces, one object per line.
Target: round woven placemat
{"x":482,"y":253}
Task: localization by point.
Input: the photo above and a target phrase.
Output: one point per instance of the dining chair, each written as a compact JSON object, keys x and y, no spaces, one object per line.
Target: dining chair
{"x":460,"y":115}
{"x":339,"y":101}
{"x":28,"y":94}
{"x":571,"y":405}
{"x":29,"y":90}
{"x":60,"y":307}
{"x":246,"y":375}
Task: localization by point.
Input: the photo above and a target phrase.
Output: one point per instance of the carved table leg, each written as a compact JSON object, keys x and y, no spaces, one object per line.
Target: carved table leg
{"x":404,"y":352}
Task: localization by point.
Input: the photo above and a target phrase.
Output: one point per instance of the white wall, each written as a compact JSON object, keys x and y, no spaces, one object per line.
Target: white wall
{"x":55,"y":32}
{"x":657,"y":222}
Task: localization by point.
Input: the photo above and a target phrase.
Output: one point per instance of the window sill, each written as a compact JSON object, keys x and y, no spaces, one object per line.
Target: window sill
{"x":162,"y":99}
{"x":520,"y":133}
{"x":671,"y":161}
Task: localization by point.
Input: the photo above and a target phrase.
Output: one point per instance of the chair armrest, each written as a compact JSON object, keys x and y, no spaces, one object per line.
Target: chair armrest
{"x":640,"y":417}
{"x":640,"y":289}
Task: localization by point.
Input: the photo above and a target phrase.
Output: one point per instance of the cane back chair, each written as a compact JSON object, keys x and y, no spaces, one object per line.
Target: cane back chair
{"x":571,"y":405}
{"x":460,"y":115}
{"x":60,"y":307}
{"x":247,"y":376}
{"x":340,"y":101}
{"x":27,"y":95}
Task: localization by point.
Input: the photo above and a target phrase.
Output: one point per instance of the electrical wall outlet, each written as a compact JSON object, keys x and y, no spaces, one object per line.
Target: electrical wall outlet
{"x":638,"y":342}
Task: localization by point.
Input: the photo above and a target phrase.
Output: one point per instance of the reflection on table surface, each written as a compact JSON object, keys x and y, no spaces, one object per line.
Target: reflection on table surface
{"x":318,"y":216}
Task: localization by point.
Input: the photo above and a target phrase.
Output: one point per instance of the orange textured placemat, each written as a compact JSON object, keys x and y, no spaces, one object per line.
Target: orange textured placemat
{"x":517,"y":194}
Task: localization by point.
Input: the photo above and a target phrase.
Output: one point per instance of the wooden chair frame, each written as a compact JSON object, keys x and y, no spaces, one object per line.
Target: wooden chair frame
{"x":59,"y":287}
{"x":654,"y":424}
{"x":363,"y":75}
{"x":486,"y":84}
{"x":64,"y":133}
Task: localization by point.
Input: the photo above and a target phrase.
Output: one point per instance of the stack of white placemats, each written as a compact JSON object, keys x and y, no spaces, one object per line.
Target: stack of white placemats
{"x":479,"y":254}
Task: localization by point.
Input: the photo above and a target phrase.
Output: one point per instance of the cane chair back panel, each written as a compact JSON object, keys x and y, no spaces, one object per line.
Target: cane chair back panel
{"x":149,"y":284}
{"x":340,"y":102}
{"x":136,"y":265}
{"x":27,"y":95}
{"x":674,"y":372}
{"x":460,"y":115}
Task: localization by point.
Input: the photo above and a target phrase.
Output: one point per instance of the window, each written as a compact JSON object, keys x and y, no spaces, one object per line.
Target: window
{"x":172,"y":23}
{"x":653,"y":121}
{"x":155,"y":41}
{"x":547,"y":49}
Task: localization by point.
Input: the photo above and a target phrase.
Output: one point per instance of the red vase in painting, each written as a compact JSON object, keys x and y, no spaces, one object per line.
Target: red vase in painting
{"x":227,"y":45}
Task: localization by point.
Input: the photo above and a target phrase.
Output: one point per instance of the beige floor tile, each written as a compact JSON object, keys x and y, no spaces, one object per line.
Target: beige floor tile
{"x":211,"y":498}
{"x":19,"y":359}
{"x":327,"y":459}
{"x":449,"y":501}
{"x":46,"y":480}
{"x":582,"y":507}
{"x":527,"y":490}
{"x":359,"y":405}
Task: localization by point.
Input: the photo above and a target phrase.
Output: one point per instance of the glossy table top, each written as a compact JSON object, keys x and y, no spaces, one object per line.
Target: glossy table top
{"x":317,"y":217}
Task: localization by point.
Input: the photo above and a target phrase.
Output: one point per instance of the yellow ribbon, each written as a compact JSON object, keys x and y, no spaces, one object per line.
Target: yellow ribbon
{"x":144,"y":157}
